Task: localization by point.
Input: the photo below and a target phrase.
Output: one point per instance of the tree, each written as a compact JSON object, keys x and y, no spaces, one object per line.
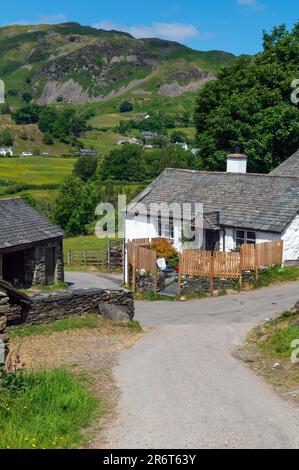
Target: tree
{"x":125,"y":164}
{"x":86,"y":167}
{"x":178,"y":137}
{"x":28,"y":114}
{"x":75,"y":206}
{"x":6,"y":139}
{"x":27,"y":97}
{"x":5,"y":108}
{"x":250,"y":104}
{"x":47,"y":117}
{"x":67,"y":200}
{"x":126,"y":107}
{"x":48,"y":139}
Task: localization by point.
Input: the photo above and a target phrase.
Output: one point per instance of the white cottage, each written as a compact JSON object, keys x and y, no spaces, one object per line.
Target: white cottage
{"x":238,"y":207}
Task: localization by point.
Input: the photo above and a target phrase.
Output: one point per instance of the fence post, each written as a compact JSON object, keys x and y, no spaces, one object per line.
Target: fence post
{"x":85,"y":258}
{"x":212,"y":273}
{"x":134,"y":271}
{"x":180,"y":275}
{"x":242,"y":255}
{"x":69,"y":258}
{"x":256,"y":263}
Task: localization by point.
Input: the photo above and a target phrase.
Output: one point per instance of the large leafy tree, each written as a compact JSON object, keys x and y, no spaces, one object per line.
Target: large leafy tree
{"x":250,"y":105}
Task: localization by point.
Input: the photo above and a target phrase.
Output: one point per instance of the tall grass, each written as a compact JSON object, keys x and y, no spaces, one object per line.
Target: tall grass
{"x":49,"y":413}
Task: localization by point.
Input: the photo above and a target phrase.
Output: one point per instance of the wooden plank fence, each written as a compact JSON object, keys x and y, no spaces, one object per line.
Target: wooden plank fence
{"x":140,"y":257}
{"x":229,"y":265}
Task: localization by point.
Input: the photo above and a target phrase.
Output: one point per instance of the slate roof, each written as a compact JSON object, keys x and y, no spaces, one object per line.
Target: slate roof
{"x":252,"y":201}
{"x":20,"y":224}
{"x":289,"y":167}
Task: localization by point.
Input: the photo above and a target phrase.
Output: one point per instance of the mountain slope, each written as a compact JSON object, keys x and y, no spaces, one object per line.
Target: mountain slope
{"x":71,"y":63}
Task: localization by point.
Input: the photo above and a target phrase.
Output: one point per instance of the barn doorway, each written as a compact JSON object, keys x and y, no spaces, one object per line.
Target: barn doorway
{"x":13,"y":268}
{"x":50,"y":259}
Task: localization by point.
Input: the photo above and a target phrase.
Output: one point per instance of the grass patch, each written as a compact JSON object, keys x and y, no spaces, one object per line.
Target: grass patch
{"x":88,"y":242}
{"x":277,"y":274}
{"x":134,"y":326}
{"x":281,"y":333}
{"x":268,"y":352}
{"x":49,"y":411}
{"x":90,"y":321}
{"x":152,"y":297}
{"x":52,"y":288}
{"x":87,"y":321}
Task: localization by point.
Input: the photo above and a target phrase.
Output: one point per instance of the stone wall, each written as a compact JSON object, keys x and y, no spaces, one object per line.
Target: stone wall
{"x":4,"y":338}
{"x":112,"y":304}
{"x":145,"y":282}
{"x":35,"y":263}
{"x":198,"y":284}
{"x":115,"y":257}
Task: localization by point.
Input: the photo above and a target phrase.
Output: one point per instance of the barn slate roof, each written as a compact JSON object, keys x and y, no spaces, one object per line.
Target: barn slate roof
{"x":20,"y":224}
{"x":252,"y":201}
{"x":289,"y":167}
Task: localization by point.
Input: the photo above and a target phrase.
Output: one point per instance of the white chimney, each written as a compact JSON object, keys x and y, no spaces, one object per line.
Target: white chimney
{"x":236,"y":163}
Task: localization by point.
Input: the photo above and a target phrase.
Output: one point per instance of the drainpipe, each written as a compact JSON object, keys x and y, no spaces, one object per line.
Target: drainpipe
{"x":224,"y":234}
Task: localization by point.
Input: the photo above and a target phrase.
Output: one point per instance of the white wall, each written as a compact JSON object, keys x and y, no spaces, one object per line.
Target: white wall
{"x":290,"y":236}
{"x":291,"y":240}
{"x":139,"y":228}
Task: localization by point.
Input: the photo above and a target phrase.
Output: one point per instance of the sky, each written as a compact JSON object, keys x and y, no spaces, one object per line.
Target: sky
{"x":232,"y":25}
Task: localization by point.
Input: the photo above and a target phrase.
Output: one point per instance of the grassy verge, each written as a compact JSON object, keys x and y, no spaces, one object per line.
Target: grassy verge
{"x":88,"y":321}
{"x":268,"y":351}
{"x":45,"y":410}
{"x":277,"y":274}
{"x":152,"y":297}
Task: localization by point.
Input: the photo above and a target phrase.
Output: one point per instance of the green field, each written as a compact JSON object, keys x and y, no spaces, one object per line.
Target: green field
{"x":89,"y":242}
{"x":36,"y":170}
{"x":43,"y":175}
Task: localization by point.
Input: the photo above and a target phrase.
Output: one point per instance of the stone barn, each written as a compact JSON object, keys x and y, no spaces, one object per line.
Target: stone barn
{"x":31,"y":251}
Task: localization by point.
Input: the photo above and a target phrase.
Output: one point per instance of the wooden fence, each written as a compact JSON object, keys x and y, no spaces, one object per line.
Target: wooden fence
{"x":97,"y":258}
{"x":140,"y":257}
{"x":229,"y":265}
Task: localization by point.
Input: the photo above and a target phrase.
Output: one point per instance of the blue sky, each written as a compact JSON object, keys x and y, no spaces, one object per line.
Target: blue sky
{"x":232,"y":25}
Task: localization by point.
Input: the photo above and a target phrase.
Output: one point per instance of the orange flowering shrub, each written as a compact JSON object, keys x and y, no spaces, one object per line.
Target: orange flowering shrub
{"x":163,"y":248}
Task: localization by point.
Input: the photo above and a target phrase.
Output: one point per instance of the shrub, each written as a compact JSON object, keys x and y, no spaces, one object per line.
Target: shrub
{"x":24,"y":136}
{"x":6,"y":138}
{"x":48,"y":139}
{"x":126,"y":107}
{"x":163,"y":249}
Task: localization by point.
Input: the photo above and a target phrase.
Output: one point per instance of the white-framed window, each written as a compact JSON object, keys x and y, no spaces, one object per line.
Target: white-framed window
{"x":245,"y":236}
{"x":166,"y":229}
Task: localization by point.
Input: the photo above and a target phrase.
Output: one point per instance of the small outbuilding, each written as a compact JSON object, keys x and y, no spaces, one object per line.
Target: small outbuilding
{"x":31,"y":251}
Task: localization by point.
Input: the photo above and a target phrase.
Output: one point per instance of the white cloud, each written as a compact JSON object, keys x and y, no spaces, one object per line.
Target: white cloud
{"x":171,"y":31}
{"x":44,"y":19}
{"x":252,"y":4}
{"x":49,"y":19}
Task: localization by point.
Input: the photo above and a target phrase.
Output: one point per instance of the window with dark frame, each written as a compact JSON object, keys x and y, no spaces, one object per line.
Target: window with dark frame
{"x":245,"y":236}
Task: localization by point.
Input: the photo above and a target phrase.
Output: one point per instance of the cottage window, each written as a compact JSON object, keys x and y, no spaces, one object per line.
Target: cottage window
{"x":244,"y":236}
{"x":166,"y":229}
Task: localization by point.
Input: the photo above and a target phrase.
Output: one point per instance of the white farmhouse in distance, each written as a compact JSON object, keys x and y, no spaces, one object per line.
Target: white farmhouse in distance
{"x":6,"y":152}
